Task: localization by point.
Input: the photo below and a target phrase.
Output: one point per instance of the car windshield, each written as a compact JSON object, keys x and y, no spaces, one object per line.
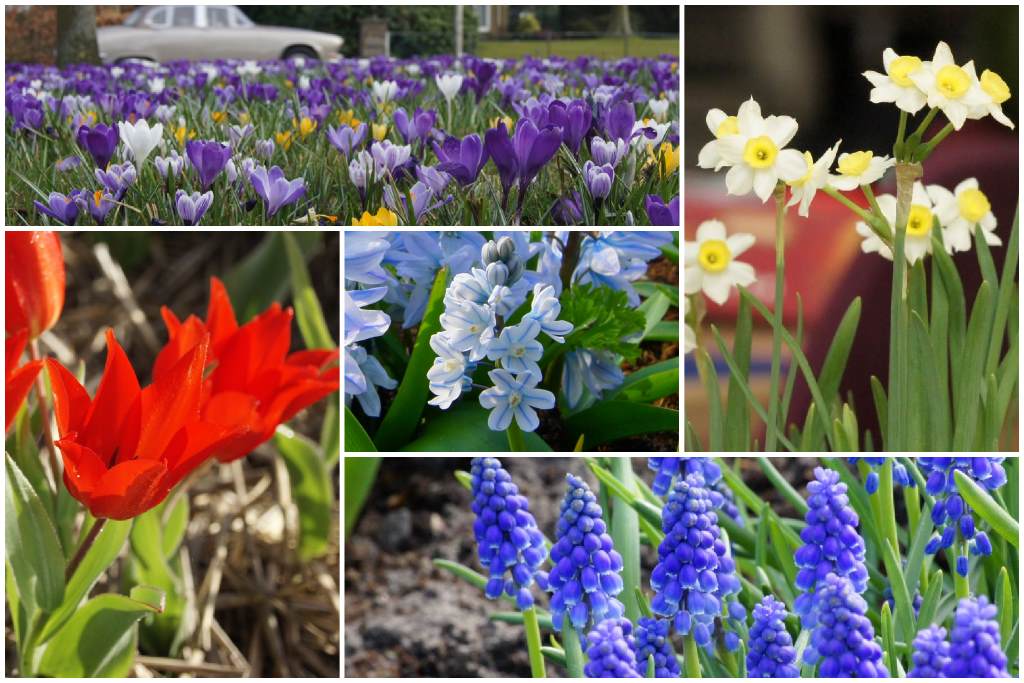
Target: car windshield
{"x":135,"y":17}
{"x":240,"y":20}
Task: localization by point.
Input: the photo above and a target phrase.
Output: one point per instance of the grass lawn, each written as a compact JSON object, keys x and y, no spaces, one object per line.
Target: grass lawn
{"x":609,"y":47}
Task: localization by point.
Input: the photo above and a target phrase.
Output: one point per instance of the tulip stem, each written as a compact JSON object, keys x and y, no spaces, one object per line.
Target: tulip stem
{"x":44,"y":414}
{"x":83,"y":549}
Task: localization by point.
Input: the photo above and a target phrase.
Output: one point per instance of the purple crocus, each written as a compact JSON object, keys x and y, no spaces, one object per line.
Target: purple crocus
{"x":191,"y":207}
{"x":416,"y":129}
{"x":346,"y":138}
{"x":433,"y":178}
{"x":390,"y":156}
{"x":599,"y":179}
{"x":59,"y":207}
{"x":100,"y":142}
{"x":574,"y":119}
{"x":99,"y":204}
{"x":422,"y":201}
{"x":208,"y":157}
{"x":276,"y":190}
{"x":523,"y":155}
{"x":479,"y":81}
{"x":461,"y":159}
{"x":116,"y":178}
{"x":660,"y":213}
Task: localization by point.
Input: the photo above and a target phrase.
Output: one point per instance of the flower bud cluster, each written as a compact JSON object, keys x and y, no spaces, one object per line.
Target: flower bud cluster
{"x":842,"y":640}
{"x":974,"y":642}
{"x":652,"y":639}
{"x":610,"y":650}
{"x":668,"y":468}
{"x":899,"y":472}
{"x":931,"y":653}
{"x":770,"y":651}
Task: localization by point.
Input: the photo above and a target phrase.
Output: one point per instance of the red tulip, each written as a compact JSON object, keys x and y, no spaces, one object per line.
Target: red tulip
{"x":126,"y":448}
{"x":34,"y":283}
{"x":17,"y":380}
{"x":252,"y":383}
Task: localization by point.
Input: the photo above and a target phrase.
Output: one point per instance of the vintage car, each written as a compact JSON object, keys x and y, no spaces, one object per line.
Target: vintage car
{"x":161,"y":33}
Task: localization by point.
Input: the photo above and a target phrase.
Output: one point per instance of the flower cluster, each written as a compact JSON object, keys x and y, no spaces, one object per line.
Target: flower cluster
{"x":832,"y":544}
{"x":842,"y":640}
{"x":652,"y":639}
{"x":586,"y":575}
{"x":951,"y":514}
{"x":695,"y":574}
{"x":931,"y":653}
{"x":710,"y":262}
{"x":475,"y":302}
{"x":507,"y":537}
{"x":610,"y":650}
{"x":899,"y":472}
{"x":770,"y":651}
{"x":668,"y":468}
{"x":974,"y":642}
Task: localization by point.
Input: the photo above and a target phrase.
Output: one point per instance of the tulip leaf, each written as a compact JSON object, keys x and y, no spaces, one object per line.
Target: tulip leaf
{"x":308,"y":313}
{"x":311,"y":491}
{"x":611,"y":420}
{"x":988,"y":509}
{"x":99,"y":639}
{"x":399,"y":424}
{"x":356,"y":438}
{"x":32,"y":547}
{"x":174,"y":525}
{"x":330,"y":433}
{"x":360,"y":475}
{"x":650,"y":383}
{"x":263,"y":277}
{"x":104,"y":550}
{"x":463,"y":427}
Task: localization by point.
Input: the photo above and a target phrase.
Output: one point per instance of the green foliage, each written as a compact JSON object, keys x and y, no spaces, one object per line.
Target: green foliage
{"x":602,"y":319}
{"x":311,"y":490}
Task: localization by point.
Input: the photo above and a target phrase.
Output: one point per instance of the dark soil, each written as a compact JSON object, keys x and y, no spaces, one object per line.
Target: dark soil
{"x":406,"y":618}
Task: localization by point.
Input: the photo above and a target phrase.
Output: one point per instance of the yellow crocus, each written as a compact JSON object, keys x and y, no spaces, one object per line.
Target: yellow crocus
{"x":219,"y":116}
{"x":244,"y":118}
{"x":284,"y":139}
{"x":507,"y":120}
{"x":182,"y":133}
{"x":383,"y":217}
{"x":305,"y":126}
{"x":379,"y":130}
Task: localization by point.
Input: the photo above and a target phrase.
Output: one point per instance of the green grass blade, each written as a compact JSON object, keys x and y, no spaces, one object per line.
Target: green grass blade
{"x":988,"y":509}
{"x":737,"y":414}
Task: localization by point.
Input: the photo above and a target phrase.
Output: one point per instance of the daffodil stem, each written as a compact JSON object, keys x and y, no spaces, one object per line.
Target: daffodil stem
{"x":515,"y":437}
{"x":780,"y":274}
{"x":573,"y":650}
{"x":923,"y":128}
{"x":897,"y":150}
{"x":848,"y":203}
{"x":691,"y":660}
{"x":44,"y":416}
{"x":533,"y":643}
{"x":83,"y":549}
{"x":930,"y":146}
{"x":870,"y":196}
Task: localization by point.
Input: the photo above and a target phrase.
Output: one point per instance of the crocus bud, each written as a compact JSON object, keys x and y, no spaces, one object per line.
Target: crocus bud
{"x":34,"y":281}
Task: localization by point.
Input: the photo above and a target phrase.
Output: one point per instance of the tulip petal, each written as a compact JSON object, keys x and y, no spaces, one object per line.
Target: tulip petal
{"x":172,"y":401}
{"x":115,"y":398}
{"x":128,"y":489}
{"x":18,"y":384}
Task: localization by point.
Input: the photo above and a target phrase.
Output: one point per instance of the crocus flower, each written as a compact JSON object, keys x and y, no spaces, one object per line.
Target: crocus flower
{"x":251,"y":384}
{"x":116,"y":178}
{"x":974,"y":642}
{"x":586,"y":574}
{"x":515,"y":396}
{"x":126,"y":447}
{"x":68,"y":163}
{"x":610,"y":152}
{"x":523,"y":155}
{"x":931,"y":653}
{"x":33,"y":281}
{"x":59,"y":207}
{"x":433,"y":178}
{"x":574,"y":119}
{"x":208,"y":157}
{"x":652,"y":640}
{"x":387,"y":155}
{"x":99,"y":204}
{"x":610,"y":651}
{"x":171,"y":164}
{"x":275,"y":190}
{"x":18,"y":379}
{"x":662,"y":214}
{"x":599,"y":179}
{"x":140,"y":139}
{"x":449,"y":85}
{"x":346,"y":138}
{"x":383,"y":217}
{"x":418,"y":128}
{"x":507,"y":537}
{"x":100,"y":142}
{"x":192,"y":207}
{"x":461,"y":159}
{"x":842,"y":640}
{"x":770,"y":651}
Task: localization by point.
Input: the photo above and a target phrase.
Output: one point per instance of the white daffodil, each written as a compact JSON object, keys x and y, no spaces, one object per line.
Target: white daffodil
{"x":720,"y":124}
{"x":711,"y":264}
{"x":689,"y":335}
{"x":449,"y":85}
{"x":659,"y":109}
{"x":860,"y":168}
{"x":895,"y":84}
{"x":996,"y":91}
{"x":140,"y":139}
{"x":803,"y":189}
{"x":918,"y":242}
{"x":953,"y":89}
{"x":383,"y":91}
{"x":960,"y":211}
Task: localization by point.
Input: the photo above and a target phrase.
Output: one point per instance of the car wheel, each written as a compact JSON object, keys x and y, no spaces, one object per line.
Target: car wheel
{"x":300,"y":51}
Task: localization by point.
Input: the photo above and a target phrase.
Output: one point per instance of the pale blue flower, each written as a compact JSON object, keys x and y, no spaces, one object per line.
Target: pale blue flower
{"x":447,"y":376}
{"x":515,"y":395}
{"x":364,"y":253}
{"x":374,"y":375}
{"x":517,"y":348}
{"x":469,"y":327}
{"x":363,"y":324}
{"x":417,"y":256}
{"x":545,"y":308}
{"x":597,"y":371}
{"x":475,"y":287}
{"x":617,"y":259}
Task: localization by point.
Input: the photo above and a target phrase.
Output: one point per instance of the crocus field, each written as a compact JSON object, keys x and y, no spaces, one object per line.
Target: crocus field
{"x":438,"y":141}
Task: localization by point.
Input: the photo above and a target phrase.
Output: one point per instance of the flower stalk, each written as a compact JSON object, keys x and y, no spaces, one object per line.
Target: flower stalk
{"x":573,"y":652}
{"x":780,"y":275}
{"x":44,"y":416}
{"x":533,"y":643}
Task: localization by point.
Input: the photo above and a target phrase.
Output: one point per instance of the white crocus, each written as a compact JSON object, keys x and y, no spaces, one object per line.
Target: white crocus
{"x":157,"y":85}
{"x":895,"y":85}
{"x":803,"y":189}
{"x":711,"y":266}
{"x":689,"y":335}
{"x":951,"y":88}
{"x":756,"y":154}
{"x":659,"y":109}
{"x":995,"y":91}
{"x":641,"y":142}
{"x":960,"y":212}
{"x":449,"y":85}
{"x":860,"y":168}
{"x":140,"y":139}
{"x":383,"y":91}
{"x":918,"y":242}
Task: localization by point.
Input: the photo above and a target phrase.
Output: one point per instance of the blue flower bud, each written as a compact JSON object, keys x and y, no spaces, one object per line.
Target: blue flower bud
{"x":899,"y":472}
{"x":770,"y":651}
{"x":508,"y":539}
{"x":931,"y":653}
{"x":585,"y":578}
{"x":652,"y":640}
{"x":842,"y":640}
{"x":975,"y":642}
{"x":610,"y":650}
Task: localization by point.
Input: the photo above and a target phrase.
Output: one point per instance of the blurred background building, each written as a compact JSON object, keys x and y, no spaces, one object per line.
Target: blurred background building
{"x":806,"y":62}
